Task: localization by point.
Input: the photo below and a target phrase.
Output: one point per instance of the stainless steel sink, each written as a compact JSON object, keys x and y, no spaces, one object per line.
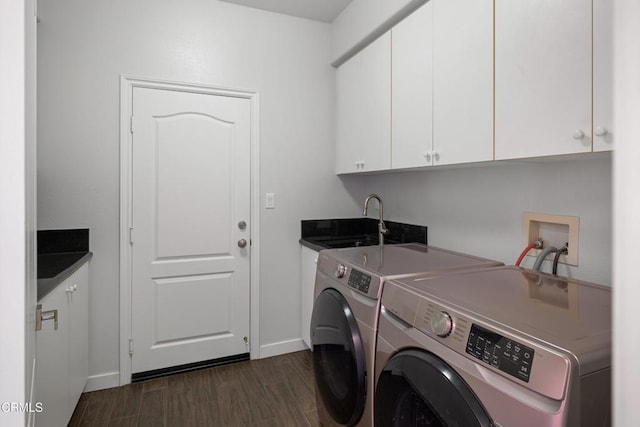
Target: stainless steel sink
{"x":348,"y":242}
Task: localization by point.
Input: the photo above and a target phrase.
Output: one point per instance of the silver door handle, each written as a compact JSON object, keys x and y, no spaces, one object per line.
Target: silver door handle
{"x":242,"y":243}
{"x":41,"y":316}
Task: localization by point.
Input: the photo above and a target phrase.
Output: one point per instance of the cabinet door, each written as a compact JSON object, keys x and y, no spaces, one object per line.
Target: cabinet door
{"x":363,"y":122}
{"x":411,"y":90}
{"x":52,"y":362}
{"x":308,"y":265}
{"x":348,"y":115}
{"x":78,"y":334}
{"x":542,"y":77}
{"x":376,"y":105}
{"x":602,"y":75}
{"x":463,"y":81}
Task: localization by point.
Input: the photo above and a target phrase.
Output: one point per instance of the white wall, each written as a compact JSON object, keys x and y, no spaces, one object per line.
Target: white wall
{"x":12,"y":193}
{"x":626,"y":340}
{"x":362,"y":21}
{"x":478,"y":210}
{"x":83,"y":49}
{"x":18,"y":211}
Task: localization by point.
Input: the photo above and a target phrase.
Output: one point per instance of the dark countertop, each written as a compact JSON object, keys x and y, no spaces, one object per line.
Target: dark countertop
{"x":60,"y":254}
{"x":53,"y":269}
{"x":350,"y":232}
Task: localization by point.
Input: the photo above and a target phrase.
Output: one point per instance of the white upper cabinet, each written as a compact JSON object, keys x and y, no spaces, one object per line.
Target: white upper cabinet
{"x":543,"y":81}
{"x":363,"y":122}
{"x":462,"y":81}
{"x":412,"y":91}
{"x":602,"y":75}
{"x":348,"y":116}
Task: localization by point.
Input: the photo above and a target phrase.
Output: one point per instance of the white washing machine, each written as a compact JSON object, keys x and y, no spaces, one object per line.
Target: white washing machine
{"x":344,"y":322}
{"x":500,"y":347}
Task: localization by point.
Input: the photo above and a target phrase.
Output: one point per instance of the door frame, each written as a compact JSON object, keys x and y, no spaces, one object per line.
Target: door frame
{"x":127,"y":84}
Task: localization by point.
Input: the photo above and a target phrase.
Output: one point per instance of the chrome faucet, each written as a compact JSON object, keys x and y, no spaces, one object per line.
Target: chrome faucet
{"x":382,"y":229}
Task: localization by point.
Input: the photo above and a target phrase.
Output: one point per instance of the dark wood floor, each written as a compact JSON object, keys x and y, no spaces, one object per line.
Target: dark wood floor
{"x":276,"y":391}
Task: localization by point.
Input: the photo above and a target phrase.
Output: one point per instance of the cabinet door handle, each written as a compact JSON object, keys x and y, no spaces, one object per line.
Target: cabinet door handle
{"x":578,"y":134}
{"x":601,"y":131}
{"x":42,"y":316}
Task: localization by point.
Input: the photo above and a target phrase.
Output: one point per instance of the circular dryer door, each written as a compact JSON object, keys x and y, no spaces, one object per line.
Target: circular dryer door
{"x":417,"y":388}
{"x":338,"y":358}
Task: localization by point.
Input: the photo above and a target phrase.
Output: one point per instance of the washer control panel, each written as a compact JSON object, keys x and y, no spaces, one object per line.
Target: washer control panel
{"x":359,"y":280}
{"x":503,"y":353}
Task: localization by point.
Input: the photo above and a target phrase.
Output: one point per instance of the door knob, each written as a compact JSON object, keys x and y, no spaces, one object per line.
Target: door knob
{"x":242,"y":225}
{"x":242,"y":243}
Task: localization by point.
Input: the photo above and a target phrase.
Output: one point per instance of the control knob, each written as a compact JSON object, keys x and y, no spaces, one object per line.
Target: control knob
{"x":341,"y":270}
{"x":442,"y":324}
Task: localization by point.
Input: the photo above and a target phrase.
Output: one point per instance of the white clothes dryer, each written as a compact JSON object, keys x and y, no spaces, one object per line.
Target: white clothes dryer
{"x":501,"y":347}
{"x":344,"y":322}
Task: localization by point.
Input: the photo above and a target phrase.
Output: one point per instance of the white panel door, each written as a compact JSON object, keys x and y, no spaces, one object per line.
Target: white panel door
{"x":412,"y":90}
{"x":462,"y":81}
{"x":191,"y":188}
{"x":603,"y":133}
{"x":542,"y":77}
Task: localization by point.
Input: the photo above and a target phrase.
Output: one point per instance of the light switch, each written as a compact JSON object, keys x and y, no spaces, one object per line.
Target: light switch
{"x":270,"y":202}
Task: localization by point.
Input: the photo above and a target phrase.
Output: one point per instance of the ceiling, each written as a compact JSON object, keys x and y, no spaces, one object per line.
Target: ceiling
{"x":318,"y":10}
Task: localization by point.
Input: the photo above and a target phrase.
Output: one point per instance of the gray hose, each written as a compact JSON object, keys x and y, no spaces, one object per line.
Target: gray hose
{"x":542,"y":256}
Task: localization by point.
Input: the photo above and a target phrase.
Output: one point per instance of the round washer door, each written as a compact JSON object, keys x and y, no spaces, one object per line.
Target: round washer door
{"x":417,"y":388}
{"x":339,"y":363}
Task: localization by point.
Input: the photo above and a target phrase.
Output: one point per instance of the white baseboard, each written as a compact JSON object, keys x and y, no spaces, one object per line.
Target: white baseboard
{"x":102,"y":381}
{"x":282,"y":347}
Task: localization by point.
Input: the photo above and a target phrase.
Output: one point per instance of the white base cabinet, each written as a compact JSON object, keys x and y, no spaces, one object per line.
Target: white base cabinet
{"x":62,"y":354}
{"x":308,"y":266}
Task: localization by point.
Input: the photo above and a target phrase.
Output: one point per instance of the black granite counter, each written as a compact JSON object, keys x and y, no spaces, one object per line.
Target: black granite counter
{"x":60,"y":254}
{"x":350,"y":232}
